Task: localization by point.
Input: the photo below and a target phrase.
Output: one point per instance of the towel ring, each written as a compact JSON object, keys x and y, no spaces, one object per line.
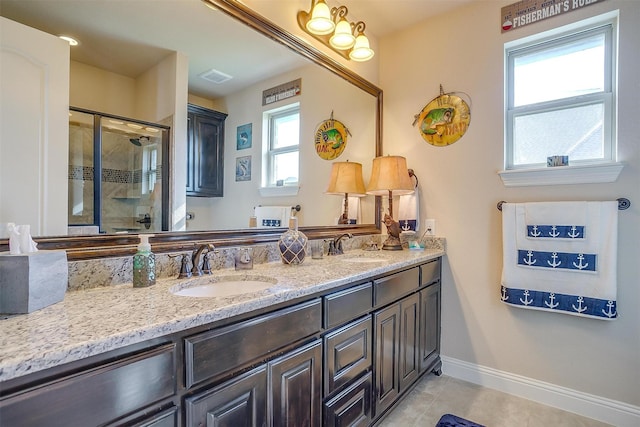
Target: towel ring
{"x":623,"y":204}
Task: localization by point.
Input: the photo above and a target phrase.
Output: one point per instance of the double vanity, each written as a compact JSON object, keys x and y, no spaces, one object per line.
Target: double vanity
{"x":334,"y":341}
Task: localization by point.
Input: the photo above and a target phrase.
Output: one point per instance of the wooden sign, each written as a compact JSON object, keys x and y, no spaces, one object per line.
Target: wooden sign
{"x":526,"y":12}
{"x":280,"y":92}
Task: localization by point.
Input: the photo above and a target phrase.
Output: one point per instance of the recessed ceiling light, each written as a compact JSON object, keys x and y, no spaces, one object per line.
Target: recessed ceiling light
{"x":116,"y":122}
{"x":134,"y":126}
{"x":70,"y":40}
{"x":152,"y":130}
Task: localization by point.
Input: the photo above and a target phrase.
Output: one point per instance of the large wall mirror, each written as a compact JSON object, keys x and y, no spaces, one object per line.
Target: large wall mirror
{"x":164,"y":30}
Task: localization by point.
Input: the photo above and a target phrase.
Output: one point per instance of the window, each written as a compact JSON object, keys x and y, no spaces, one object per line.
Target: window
{"x":561,"y":98}
{"x":283,"y":145}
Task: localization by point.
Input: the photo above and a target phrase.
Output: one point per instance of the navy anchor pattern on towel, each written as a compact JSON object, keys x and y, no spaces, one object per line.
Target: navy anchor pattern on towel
{"x":557,"y":260}
{"x":556,"y":231}
{"x":550,"y":301}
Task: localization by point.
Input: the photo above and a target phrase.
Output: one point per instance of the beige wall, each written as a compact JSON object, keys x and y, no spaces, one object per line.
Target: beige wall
{"x":350,"y":105}
{"x":463,"y":51}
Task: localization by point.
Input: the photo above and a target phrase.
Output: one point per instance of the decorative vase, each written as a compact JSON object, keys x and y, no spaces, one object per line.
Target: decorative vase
{"x":293,"y":244}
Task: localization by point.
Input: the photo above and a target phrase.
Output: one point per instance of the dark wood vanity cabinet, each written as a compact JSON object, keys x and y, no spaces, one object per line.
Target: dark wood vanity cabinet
{"x":205,"y":152}
{"x":336,"y":359}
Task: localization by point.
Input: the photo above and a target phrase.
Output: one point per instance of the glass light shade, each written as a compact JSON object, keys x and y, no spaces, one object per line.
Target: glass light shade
{"x":361,"y":50}
{"x":342,"y":37}
{"x":346,"y":178}
{"x":390,"y":174}
{"x":320,"y":22}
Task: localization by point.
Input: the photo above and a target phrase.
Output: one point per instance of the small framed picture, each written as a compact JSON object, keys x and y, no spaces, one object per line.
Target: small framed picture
{"x":243,"y":168}
{"x":244,"y":137}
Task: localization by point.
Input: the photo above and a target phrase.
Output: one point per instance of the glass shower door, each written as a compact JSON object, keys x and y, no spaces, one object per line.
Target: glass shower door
{"x":115,"y":174}
{"x":131,"y":156}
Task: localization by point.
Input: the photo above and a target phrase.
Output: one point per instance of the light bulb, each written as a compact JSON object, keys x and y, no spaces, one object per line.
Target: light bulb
{"x":361,"y":50}
{"x":342,"y":38}
{"x":320,"y":22}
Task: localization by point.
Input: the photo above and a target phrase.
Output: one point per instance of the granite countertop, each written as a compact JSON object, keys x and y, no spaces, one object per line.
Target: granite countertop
{"x":94,"y":321}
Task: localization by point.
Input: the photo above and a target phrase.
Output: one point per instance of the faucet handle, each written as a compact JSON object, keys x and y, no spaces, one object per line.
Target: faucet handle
{"x":206,"y":263}
{"x":185,"y":260}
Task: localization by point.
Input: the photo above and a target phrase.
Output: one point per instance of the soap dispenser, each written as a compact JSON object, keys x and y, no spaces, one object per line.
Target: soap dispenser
{"x":144,"y":264}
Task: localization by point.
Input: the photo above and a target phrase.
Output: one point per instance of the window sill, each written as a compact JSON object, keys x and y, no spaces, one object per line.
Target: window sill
{"x":285,"y":190}
{"x":583,"y":174}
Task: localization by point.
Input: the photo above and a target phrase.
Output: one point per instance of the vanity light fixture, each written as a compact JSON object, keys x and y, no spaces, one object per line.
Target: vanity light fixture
{"x":346,"y":179}
{"x":331,"y":27}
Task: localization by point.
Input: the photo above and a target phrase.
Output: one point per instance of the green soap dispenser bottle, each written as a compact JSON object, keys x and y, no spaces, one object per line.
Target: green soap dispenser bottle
{"x":144,"y":264}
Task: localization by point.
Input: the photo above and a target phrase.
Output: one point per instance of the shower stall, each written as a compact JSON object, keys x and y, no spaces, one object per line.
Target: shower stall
{"x":118,"y":179}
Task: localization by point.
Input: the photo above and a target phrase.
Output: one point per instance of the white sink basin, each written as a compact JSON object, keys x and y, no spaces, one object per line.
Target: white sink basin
{"x":208,"y":287}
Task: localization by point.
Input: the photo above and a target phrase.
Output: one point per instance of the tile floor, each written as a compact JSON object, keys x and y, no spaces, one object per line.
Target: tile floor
{"x":435,"y":396}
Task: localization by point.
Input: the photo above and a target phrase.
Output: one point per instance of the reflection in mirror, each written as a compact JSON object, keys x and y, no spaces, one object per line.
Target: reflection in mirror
{"x":325,"y":89}
{"x":116,"y":174}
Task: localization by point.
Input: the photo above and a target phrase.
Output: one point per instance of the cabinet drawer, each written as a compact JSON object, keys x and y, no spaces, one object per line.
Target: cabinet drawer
{"x":348,"y":354}
{"x":96,"y":396}
{"x":391,"y":288}
{"x":430,"y":272}
{"x":215,"y":352}
{"x":352,"y":407}
{"x":343,"y":306}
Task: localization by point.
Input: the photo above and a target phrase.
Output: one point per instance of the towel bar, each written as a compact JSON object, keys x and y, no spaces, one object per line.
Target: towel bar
{"x":623,"y":203}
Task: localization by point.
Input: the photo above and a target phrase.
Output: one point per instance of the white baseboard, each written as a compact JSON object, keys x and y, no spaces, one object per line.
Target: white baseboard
{"x":609,"y":411}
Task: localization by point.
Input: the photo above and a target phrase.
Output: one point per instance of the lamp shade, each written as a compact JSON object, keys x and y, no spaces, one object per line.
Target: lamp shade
{"x":389,"y":175}
{"x":346,"y":178}
{"x":320,"y":22}
{"x":342,"y":37}
{"x":361,"y":50}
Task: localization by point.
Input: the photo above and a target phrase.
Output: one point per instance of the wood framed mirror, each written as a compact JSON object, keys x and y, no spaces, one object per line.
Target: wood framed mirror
{"x":87,"y":247}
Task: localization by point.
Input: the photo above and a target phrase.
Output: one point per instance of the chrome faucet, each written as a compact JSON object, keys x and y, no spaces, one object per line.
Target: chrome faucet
{"x":196,"y":270}
{"x":335,"y":245}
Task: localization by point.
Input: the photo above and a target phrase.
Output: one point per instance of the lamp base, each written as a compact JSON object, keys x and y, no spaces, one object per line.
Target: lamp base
{"x":392,"y":244}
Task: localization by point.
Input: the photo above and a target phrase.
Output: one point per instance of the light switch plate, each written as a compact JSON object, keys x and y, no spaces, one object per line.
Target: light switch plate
{"x":430,"y":227}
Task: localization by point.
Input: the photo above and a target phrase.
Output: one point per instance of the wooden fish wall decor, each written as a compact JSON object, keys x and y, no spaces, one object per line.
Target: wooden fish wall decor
{"x":445,"y":119}
{"x":331,"y":138}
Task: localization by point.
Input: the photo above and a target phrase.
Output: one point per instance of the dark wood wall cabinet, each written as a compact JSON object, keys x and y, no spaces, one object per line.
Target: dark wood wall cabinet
{"x":205,"y":152}
{"x":342,"y":358}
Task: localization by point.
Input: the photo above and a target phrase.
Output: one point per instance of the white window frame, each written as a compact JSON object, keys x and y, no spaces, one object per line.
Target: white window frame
{"x":586,"y":171}
{"x":269,"y":187}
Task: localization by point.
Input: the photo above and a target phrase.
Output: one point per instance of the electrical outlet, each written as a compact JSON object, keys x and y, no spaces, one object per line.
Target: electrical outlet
{"x":430,"y":227}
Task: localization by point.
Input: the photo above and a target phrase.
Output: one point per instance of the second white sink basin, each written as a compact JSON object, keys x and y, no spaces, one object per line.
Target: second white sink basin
{"x":208,"y":287}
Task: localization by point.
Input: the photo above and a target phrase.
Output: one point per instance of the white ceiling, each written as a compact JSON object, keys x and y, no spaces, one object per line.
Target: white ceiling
{"x":130,"y":36}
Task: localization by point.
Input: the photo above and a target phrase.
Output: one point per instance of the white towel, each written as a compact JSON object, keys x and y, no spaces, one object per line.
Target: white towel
{"x":354,"y":214}
{"x":561,"y":256}
{"x":272,"y":216}
{"x":409,"y":212}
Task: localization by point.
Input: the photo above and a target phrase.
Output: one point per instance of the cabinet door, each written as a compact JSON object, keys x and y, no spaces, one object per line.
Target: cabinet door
{"x":205,"y":160}
{"x":429,"y":326}
{"x":295,"y":382}
{"x":240,"y":402}
{"x":387,"y":342}
{"x":409,"y":360}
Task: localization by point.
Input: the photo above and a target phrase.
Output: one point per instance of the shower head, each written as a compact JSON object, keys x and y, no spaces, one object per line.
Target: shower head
{"x":140,"y":141}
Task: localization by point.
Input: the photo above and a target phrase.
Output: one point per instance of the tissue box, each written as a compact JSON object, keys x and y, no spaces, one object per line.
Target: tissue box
{"x":29,"y":282}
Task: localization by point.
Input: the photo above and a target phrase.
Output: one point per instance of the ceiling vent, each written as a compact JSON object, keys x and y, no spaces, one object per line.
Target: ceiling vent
{"x":215,"y":76}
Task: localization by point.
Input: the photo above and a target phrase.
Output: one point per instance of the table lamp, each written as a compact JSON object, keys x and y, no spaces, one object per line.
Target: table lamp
{"x":346,"y":178}
{"x":390,"y":177}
